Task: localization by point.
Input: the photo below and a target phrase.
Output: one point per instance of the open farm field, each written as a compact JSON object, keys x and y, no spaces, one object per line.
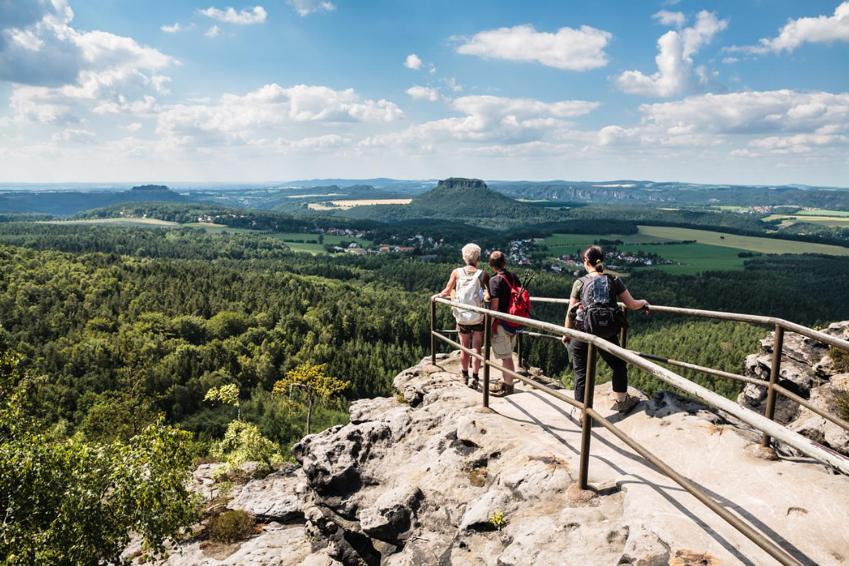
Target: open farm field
{"x":748,"y":243}
{"x":349,"y":204}
{"x":822,"y":212}
{"x":296,"y":241}
{"x":151,"y":222}
{"x":212,"y":228}
{"x":789,"y":220}
{"x":703,"y":251}
{"x":306,"y":242}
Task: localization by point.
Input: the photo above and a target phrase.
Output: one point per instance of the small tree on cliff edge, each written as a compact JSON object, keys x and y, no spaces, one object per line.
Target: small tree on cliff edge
{"x":227,"y":394}
{"x":314,"y":384}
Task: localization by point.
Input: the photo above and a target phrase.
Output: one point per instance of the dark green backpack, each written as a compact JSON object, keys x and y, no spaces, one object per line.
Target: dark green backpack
{"x":601,"y":311}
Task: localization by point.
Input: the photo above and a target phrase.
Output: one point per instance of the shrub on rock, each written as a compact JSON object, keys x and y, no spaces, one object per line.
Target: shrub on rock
{"x":231,"y":526}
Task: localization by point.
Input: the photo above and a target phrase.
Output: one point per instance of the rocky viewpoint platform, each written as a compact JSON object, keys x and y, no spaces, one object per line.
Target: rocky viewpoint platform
{"x":429,"y":477}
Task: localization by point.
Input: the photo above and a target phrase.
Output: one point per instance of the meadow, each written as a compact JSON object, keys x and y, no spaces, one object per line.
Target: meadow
{"x":297,"y":241}
{"x":349,"y":204}
{"x":145,"y":222}
{"x":693,"y":251}
{"x":306,"y":242}
{"x":835,"y":218}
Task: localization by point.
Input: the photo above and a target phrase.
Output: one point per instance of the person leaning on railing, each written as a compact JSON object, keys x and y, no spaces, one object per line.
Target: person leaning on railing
{"x":593,"y":259}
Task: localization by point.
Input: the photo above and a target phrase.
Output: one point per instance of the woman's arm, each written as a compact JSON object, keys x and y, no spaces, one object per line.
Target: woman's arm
{"x":568,"y":323}
{"x":449,"y":287}
{"x":631,"y":303}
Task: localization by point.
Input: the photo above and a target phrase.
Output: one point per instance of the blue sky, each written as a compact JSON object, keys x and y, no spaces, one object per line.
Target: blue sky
{"x":751,"y":91}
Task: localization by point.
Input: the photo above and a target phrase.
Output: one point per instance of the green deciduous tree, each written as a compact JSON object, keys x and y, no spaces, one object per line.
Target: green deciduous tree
{"x":227,"y":394}
{"x":314,"y":385}
{"x":68,"y":501}
{"x":243,"y":442}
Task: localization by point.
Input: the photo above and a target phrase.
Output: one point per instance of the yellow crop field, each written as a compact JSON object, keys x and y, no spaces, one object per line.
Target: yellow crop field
{"x":348,"y":204}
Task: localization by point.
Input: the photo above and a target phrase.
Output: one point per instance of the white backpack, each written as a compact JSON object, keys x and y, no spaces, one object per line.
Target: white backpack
{"x":469,"y":291}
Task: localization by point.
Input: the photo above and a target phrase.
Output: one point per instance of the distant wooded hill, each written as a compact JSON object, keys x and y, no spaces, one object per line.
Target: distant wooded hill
{"x":625,"y":191}
{"x":461,"y":199}
{"x":295,"y":196}
{"x":66,"y":203}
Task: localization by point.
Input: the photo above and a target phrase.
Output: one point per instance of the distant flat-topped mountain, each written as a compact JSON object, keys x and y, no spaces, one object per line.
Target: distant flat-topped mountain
{"x":151,"y":189}
{"x":66,"y":203}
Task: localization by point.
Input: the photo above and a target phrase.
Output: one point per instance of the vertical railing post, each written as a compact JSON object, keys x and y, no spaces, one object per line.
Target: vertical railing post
{"x":775,"y":368}
{"x":487,"y":345}
{"x":432,"y":330}
{"x":586,"y":420}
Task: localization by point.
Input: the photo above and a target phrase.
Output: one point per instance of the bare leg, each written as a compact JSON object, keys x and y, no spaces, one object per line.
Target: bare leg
{"x":477,"y":339}
{"x":466,"y":341}
{"x":508,"y":364}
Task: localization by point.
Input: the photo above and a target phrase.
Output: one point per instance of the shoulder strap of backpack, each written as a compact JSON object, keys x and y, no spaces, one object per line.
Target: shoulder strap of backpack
{"x":585,"y":281}
{"x":513,"y":288}
{"x":613,"y":298}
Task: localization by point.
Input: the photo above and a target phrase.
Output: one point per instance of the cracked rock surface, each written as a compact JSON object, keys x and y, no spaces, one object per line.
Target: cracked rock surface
{"x":808,"y":370}
{"x":435,"y":479}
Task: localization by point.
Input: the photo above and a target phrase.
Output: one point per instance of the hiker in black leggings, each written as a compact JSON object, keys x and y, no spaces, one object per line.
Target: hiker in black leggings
{"x":594,"y":264}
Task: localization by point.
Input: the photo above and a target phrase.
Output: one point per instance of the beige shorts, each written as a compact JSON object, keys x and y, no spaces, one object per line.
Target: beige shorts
{"x":503,"y":344}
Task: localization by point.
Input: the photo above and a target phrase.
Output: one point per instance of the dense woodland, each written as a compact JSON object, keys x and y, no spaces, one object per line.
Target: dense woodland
{"x":164,"y":330}
{"x":114,"y":336}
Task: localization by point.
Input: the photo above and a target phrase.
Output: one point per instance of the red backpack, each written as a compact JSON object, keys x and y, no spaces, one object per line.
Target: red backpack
{"x":520,"y":303}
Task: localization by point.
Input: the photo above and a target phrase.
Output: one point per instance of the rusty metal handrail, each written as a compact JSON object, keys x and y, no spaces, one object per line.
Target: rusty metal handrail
{"x":764,"y":424}
{"x":735,"y":317}
{"x":772,"y":386}
{"x":834,"y":419}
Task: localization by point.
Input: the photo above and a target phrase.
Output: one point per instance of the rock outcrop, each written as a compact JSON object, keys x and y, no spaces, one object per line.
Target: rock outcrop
{"x":429,"y":477}
{"x":808,"y":370}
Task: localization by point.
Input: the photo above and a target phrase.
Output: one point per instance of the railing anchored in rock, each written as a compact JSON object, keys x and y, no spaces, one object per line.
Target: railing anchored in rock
{"x":763,"y":423}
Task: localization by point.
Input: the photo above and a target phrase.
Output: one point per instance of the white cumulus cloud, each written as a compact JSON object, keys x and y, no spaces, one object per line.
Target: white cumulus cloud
{"x":213,"y":31}
{"x":489,"y":120}
{"x":60,"y":73}
{"x":667,"y":18}
{"x":307,"y":7}
{"x":423,"y":93}
{"x":819,"y":29}
{"x":412,"y":61}
{"x":753,"y":112}
{"x":570,"y":49}
{"x":238,"y":118}
{"x":255,"y":15}
{"x":752,"y":124}
{"x":172,"y":28}
{"x":674,"y":59}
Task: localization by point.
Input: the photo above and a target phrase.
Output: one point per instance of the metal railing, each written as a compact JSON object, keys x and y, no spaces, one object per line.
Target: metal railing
{"x":763,"y":423}
{"x":772,"y":386}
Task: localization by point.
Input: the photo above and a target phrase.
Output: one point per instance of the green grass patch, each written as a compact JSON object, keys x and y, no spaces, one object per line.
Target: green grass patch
{"x":748,"y":243}
{"x":822,"y":212}
{"x":704,"y":250}
{"x":139,"y":222}
{"x":789,"y":220}
{"x":689,"y":258}
{"x":297,"y":241}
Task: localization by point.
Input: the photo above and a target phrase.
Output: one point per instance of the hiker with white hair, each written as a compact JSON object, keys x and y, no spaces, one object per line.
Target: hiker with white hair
{"x":468,"y":285}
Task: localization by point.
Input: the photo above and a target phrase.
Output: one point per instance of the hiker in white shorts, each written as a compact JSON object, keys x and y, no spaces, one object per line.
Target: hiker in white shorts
{"x":468,"y":285}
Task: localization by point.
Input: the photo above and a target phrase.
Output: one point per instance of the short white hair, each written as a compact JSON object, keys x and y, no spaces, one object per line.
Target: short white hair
{"x":471,"y":253}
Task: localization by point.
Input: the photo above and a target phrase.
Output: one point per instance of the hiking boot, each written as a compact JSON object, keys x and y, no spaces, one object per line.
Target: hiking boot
{"x":465,"y":377}
{"x":625,"y":405}
{"x":502,"y":389}
{"x":473,"y":383}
